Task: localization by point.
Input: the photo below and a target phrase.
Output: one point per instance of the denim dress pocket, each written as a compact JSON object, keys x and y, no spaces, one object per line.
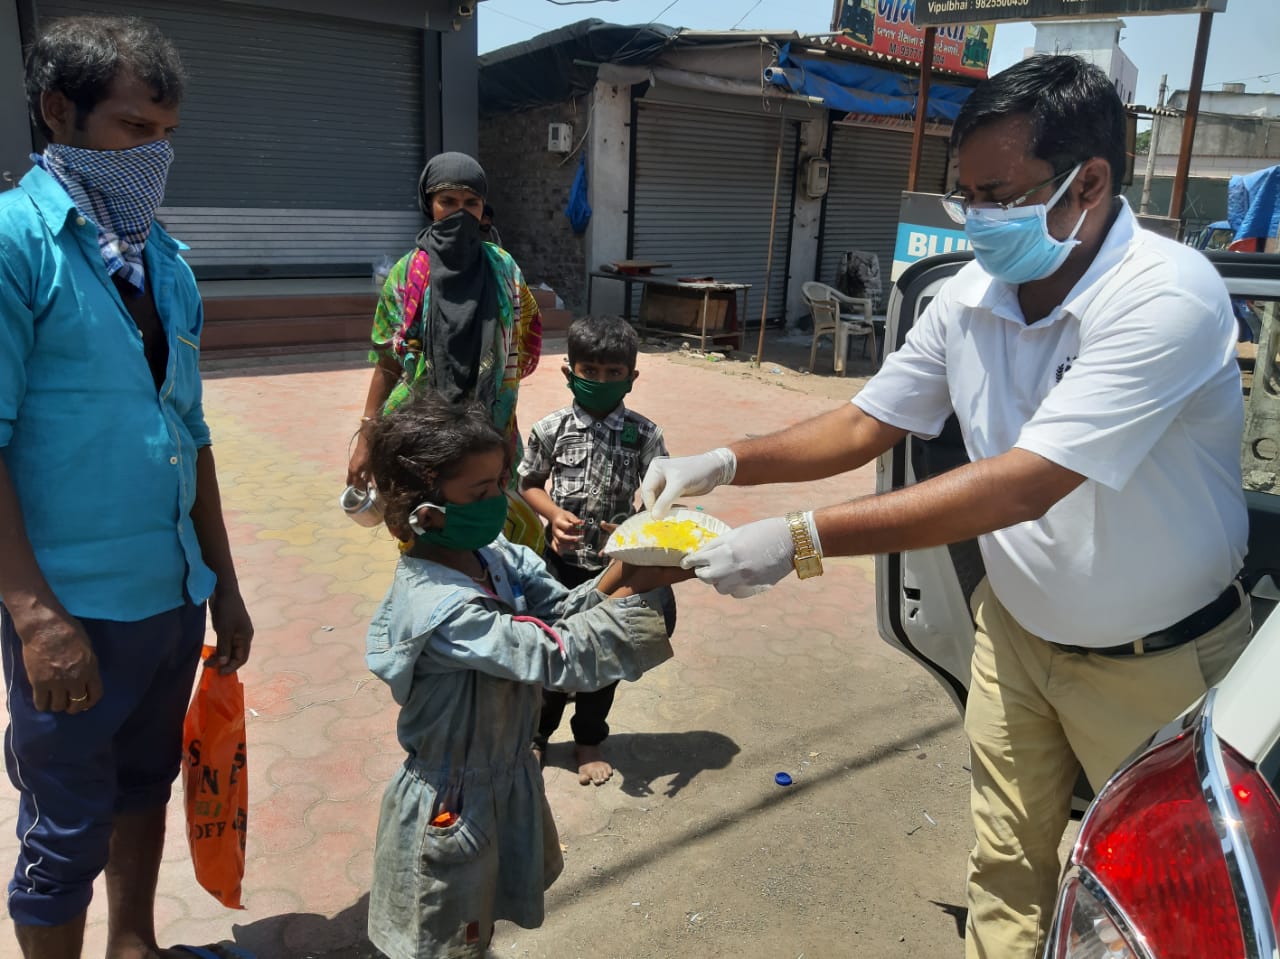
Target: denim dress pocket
{"x":457,"y":881}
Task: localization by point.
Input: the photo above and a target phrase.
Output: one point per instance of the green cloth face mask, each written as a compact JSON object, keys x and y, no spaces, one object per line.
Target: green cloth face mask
{"x":467,"y":526}
{"x":597,"y":396}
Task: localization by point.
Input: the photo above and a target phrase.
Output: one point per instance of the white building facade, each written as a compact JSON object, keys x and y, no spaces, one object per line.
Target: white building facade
{"x":1096,"y":41}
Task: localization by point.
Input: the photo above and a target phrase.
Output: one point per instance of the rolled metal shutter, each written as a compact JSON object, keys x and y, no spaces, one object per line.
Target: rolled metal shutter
{"x":864,"y":195}
{"x":301,"y":138}
{"x":703,"y":195}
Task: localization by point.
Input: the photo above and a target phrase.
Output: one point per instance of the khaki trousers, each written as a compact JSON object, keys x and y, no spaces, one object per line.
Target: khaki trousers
{"x":1036,"y":714}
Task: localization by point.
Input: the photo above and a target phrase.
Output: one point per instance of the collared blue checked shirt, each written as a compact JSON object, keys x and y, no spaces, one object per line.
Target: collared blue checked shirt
{"x":103,"y":464}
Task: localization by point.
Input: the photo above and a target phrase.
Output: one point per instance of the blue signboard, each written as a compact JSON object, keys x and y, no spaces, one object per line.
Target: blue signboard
{"x":924,"y":229}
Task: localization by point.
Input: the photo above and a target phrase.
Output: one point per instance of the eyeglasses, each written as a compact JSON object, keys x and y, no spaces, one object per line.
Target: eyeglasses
{"x":957,"y":207}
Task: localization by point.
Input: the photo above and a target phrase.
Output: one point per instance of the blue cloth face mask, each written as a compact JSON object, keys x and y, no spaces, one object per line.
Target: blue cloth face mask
{"x":1014,"y":244}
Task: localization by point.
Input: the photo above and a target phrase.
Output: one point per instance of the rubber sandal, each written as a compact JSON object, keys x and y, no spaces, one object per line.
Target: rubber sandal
{"x":216,"y":951}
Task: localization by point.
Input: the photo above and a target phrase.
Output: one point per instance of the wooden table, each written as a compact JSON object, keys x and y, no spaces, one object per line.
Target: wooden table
{"x":705,"y":287}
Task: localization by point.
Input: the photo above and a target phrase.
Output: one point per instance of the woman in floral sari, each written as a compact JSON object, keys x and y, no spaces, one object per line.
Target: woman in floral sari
{"x":456,"y":317}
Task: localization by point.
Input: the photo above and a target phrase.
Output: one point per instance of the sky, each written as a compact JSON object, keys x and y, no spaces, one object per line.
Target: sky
{"x":1242,"y":46}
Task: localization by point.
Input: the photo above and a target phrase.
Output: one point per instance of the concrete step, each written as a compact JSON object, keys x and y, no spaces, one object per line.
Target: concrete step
{"x":329,"y":356}
{"x":238,"y":326}
{"x":554,"y":320}
{"x":239,"y":323}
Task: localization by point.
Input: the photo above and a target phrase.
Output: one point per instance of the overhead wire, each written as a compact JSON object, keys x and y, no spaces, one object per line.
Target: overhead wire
{"x":616,"y":57}
{"x":750,"y":10}
{"x":490,"y":8}
{"x":1264,"y":77}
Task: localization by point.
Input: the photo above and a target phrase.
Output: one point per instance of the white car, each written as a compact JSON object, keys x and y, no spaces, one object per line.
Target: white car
{"x":1178,"y":857}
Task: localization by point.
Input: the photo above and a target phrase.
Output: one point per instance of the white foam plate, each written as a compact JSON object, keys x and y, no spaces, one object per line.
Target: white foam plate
{"x":631,"y":544}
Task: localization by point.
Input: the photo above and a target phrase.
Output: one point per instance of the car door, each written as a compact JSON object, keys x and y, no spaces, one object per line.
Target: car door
{"x":922,"y":596}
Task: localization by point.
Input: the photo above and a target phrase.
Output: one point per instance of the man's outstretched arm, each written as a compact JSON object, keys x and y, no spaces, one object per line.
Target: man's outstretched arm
{"x":826,"y":445}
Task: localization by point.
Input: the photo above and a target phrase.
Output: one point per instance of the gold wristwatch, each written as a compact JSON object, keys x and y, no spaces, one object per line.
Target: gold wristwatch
{"x":807,"y":560}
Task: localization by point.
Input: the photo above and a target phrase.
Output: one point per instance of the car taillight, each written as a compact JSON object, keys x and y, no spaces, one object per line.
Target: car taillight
{"x":1260,"y":813}
{"x":1149,"y":875}
{"x":1088,"y":930}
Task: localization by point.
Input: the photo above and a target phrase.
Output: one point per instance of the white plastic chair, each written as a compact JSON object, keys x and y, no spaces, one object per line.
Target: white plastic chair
{"x":827,"y":307}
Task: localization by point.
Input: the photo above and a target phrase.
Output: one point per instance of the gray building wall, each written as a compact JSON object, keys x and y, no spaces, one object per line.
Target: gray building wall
{"x":1206,"y":199}
{"x":459,"y":88}
{"x":1236,"y":102}
{"x":609,"y":177}
{"x":1223,"y":146}
{"x":529,"y":189}
{"x":15,"y":129}
{"x":1236,"y":133}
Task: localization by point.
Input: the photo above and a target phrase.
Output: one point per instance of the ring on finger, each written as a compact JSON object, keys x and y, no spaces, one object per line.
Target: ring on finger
{"x":78,"y":699}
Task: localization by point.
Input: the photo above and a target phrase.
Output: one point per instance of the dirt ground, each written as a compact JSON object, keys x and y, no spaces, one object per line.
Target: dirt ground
{"x":693,"y":850}
{"x":864,"y":856}
{"x":785,"y":363}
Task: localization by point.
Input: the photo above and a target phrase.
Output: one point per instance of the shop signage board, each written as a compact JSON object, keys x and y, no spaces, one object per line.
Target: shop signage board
{"x":924,"y":229}
{"x":941,"y":13}
{"x":889,"y":28}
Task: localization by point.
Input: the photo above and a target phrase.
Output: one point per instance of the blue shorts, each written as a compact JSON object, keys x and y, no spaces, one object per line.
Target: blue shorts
{"x":75,"y":773}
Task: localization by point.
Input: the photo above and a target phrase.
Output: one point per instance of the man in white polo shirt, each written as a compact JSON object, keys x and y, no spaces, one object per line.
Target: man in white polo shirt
{"x":1092,"y":368}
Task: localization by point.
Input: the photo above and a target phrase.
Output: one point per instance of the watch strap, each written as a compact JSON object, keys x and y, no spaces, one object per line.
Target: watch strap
{"x":807,"y":558}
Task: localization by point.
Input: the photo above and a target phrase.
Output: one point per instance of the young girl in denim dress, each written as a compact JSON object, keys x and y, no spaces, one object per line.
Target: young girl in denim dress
{"x":470,"y":632}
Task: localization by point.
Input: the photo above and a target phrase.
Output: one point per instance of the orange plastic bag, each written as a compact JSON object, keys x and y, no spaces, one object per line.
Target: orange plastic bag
{"x":215,"y":783}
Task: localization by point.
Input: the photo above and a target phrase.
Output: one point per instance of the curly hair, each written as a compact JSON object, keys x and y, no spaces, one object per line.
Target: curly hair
{"x":416,"y":448}
{"x":80,"y":57}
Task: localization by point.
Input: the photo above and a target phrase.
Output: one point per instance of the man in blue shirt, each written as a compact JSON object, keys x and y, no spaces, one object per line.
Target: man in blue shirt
{"x":111,"y":531}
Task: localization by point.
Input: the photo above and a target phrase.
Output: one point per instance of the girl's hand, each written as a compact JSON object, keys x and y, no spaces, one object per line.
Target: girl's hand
{"x":622,"y":579}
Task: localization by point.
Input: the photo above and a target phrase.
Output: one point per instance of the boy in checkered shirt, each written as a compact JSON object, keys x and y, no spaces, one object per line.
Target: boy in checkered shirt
{"x":593,"y":454}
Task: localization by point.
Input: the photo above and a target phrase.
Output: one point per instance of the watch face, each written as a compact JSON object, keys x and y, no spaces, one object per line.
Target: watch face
{"x":808,"y":566}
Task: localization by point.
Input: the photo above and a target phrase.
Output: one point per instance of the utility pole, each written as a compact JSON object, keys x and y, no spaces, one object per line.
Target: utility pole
{"x":1178,"y":199}
{"x":1151,"y":148}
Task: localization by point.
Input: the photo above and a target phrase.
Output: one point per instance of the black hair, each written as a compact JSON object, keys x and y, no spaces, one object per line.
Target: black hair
{"x":80,"y":57}
{"x":1075,"y":112}
{"x":488,"y":211}
{"x":414,"y":449}
{"x":603,"y":338}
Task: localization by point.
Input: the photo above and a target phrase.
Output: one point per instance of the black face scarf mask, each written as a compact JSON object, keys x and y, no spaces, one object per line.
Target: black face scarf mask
{"x":461,"y":326}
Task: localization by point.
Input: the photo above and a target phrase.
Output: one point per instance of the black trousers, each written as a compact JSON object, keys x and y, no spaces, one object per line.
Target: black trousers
{"x":591,"y":710}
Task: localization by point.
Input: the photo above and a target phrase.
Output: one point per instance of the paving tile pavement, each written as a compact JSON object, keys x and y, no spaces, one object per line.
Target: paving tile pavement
{"x":321,"y":728}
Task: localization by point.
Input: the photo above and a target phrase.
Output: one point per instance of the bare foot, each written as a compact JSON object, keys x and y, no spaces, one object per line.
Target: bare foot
{"x":592,"y":767}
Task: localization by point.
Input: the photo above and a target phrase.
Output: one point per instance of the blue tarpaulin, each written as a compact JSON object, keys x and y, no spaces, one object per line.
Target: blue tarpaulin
{"x":1253,"y":204}
{"x":578,"y":209}
{"x":861,"y":88}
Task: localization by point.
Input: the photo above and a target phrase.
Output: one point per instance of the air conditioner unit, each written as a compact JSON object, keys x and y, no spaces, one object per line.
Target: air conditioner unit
{"x":559,"y":137}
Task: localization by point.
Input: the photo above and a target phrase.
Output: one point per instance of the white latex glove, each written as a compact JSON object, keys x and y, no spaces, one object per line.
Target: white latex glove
{"x":746,"y":560}
{"x":669,"y":479}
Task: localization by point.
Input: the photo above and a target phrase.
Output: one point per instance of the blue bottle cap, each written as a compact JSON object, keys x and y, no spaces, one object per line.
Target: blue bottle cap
{"x":782,"y":779}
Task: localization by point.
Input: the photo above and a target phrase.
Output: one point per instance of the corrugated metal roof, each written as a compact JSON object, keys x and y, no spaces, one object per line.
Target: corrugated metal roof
{"x":829,"y":43}
{"x":811,"y":43}
{"x":1154,"y":111}
{"x":544,"y":68}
